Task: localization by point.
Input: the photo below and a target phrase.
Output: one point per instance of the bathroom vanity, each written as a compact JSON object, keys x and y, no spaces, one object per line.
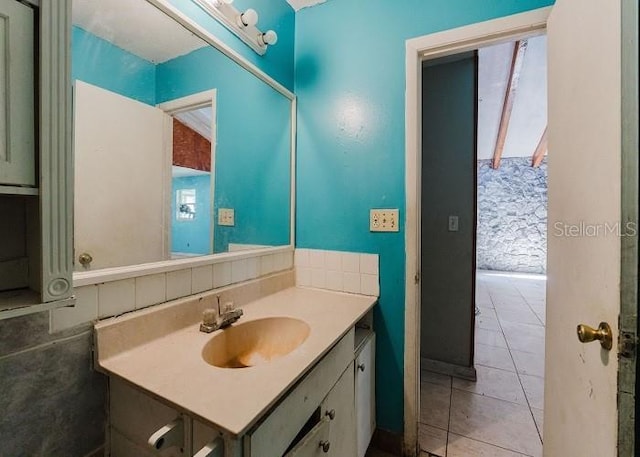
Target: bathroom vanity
{"x":293,"y":377}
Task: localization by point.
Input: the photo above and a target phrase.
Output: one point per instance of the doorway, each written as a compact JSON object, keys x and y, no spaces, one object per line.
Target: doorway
{"x":484,"y":116}
{"x":192,"y":181}
{"x":581,"y":288}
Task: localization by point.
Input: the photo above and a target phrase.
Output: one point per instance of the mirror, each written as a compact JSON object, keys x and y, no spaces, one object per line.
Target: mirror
{"x":179,"y":151}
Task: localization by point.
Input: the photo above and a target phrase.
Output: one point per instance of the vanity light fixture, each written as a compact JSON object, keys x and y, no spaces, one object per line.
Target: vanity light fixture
{"x":248,"y":19}
{"x":243,"y":24}
{"x":268,"y":38}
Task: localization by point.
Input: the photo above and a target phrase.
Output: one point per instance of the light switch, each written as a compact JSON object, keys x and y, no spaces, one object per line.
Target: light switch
{"x":453,"y":223}
{"x":226,"y":217}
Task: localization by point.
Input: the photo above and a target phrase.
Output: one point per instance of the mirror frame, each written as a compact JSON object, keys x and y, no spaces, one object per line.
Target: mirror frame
{"x":84,"y":278}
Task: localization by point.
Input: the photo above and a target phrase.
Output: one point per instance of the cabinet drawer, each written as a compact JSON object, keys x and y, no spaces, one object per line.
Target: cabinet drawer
{"x":315,"y":443}
{"x":278,"y":430}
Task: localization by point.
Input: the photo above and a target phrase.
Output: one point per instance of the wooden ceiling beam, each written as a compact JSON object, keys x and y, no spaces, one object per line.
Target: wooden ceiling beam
{"x":512,"y":86}
{"x":538,"y":155}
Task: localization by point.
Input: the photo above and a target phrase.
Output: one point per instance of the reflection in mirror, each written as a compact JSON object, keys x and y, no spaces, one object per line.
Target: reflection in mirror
{"x":179,"y":151}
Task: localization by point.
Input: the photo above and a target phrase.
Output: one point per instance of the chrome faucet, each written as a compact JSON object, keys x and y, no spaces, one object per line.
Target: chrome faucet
{"x":219,"y":317}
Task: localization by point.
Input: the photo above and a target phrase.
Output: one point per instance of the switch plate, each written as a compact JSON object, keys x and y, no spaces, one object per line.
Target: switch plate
{"x":453,"y":223}
{"x":384,"y":220}
{"x":226,"y":216}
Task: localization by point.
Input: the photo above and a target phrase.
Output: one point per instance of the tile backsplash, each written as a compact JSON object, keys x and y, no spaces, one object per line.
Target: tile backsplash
{"x":336,"y":270}
{"x":98,"y":301}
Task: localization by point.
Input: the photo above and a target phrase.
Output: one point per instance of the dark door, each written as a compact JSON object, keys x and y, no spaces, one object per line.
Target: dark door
{"x":449,"y":120}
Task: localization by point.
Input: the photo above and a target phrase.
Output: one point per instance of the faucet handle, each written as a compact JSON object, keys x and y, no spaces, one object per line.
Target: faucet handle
{"x":209,"y":316}
{"x":228,"y":307}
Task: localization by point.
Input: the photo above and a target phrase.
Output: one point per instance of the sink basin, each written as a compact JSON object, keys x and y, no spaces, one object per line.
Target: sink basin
{"x":255,"y":342}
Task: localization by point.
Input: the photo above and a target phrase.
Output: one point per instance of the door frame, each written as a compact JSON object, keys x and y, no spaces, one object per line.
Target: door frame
{"x":180,"y":105}
{"x":431,"y":46}
{"x":628,"y":380}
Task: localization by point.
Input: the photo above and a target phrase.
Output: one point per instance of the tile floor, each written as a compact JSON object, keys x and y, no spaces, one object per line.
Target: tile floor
{"x":500,"y":415}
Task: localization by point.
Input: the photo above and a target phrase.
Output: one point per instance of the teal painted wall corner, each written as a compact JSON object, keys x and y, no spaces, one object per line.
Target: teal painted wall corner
{"x":350,"y":83}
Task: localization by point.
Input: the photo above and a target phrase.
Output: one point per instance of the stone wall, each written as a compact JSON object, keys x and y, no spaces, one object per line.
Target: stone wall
{"x":512,"y":216}
{"x":52,"y":403}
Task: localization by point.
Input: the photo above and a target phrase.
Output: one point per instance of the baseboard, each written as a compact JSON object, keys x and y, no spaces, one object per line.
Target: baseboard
{"x":449,"y":369}
{"x":387,"y":441}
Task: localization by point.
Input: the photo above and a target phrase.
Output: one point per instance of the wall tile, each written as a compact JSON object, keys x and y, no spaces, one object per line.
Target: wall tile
{"x":116,"y":297}
{"x":252,"y":268}
{"x":333,"y":260}
{"x":24,"y":332}
{"x":316,"y":258}
{"x":52,"y":401}
{"x":201,"y":279}
{"x":266,"y":264}
{"x":151,"y":290}
{"x":85,"y":311}
{"x":341,"y":271}
{"x":281,"y":261}
{"x":178,"y":284}
{"x":303,"y":277}
{"x":238,"y":271}
{"x":369,"y":264}
{"x":288,"y":260}
{"x":334,"y":280}
{"x":221,"y":274}
{"x":351,"y":282}
{"x":302,"y":258}
{"x":350,"y":262}
{"x":369,"y":285}
{"x":318,"y":278}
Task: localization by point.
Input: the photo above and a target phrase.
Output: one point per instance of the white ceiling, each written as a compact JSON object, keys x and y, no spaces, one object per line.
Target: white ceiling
{"x":299,"y":4}
{"x":529,"y":115}
{"x":135,"y":26}
{"x":183,"y":172}
{"x":199,"y":120}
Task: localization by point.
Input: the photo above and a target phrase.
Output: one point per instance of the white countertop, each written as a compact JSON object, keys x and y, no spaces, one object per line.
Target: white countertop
{"x":171,"y":367}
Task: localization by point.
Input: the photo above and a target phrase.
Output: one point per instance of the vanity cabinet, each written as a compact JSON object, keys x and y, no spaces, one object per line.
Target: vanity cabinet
{"x":329,"y":412}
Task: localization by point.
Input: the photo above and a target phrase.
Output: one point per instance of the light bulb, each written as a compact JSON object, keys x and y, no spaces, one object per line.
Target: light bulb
{"x":269,"y":38}
{"x":248,"y":19}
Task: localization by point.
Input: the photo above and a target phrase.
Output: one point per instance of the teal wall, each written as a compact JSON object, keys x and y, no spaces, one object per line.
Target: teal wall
{"x":276,"y":15}
{"x":105,"y":65}
{"x":252,"y":169}
{"x":192,"y":235}
{"x":350,"y":83}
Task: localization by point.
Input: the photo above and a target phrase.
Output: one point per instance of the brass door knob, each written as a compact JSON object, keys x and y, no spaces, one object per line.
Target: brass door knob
{"x":603,"y":334}
{"x":85,"y":259}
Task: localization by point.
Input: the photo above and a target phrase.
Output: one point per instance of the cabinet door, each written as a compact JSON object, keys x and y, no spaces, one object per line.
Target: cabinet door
{"x":133,"y":418}
{"x":365,"y":395}
{"x":315,"y":443}
{"x":17,"y":108}
{"x":339,"y":407}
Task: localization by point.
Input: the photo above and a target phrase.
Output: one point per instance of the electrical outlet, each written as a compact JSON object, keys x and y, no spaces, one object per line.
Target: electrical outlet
{"x":226,"y":216}
{"x":384,"y":220}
